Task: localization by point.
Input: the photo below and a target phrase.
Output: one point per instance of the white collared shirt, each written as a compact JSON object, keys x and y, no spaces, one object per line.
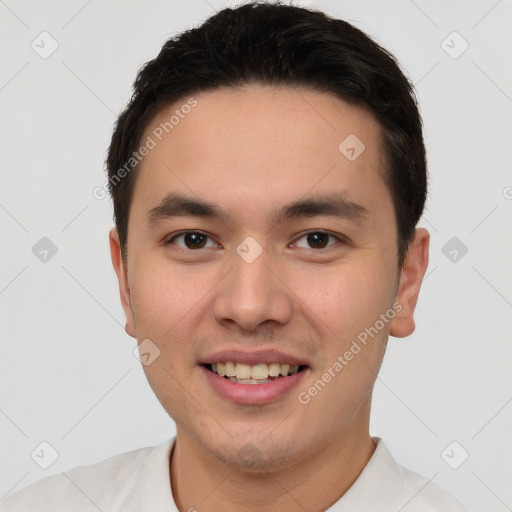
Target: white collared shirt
{"x":139,"y":481}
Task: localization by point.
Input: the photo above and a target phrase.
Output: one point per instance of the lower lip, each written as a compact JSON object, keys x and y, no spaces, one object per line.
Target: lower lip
{"x":252,"y":394}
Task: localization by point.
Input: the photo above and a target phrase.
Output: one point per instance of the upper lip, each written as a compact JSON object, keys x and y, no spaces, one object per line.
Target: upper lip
{"x":253,"y":357}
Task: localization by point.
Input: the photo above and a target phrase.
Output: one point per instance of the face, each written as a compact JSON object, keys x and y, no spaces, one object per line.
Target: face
{"x":256,"y":241}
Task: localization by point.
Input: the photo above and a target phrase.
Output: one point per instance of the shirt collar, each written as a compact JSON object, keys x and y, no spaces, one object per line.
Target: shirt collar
{"x":153,"y":485}
{"x":379,"y":486}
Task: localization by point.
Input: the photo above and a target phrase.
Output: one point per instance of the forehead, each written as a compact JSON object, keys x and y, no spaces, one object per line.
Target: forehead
{"x":266,"y":144}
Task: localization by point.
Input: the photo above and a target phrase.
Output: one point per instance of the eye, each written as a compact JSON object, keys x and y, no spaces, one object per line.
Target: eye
{"x":192,"y":240}
{"x":316,"y":240}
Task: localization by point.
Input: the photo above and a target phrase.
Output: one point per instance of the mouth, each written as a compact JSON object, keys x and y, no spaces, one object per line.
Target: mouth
{"x":253,"y":378}
{"x":260,"y":373}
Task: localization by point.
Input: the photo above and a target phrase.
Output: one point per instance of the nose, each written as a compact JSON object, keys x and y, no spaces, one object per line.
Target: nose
{"x":252,"y":296}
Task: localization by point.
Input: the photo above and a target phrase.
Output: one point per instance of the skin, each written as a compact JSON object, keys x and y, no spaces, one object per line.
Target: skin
{"x":250,"y":150}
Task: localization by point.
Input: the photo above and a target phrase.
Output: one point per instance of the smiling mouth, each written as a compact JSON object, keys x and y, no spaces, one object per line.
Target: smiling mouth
{"x":261,"y":373}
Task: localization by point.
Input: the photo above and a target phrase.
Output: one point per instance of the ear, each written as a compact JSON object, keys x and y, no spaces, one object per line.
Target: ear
{"x":122,"y":277}
{"x":415,"y":266}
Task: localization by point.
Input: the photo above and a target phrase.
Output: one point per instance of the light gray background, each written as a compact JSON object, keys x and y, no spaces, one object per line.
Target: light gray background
{"x":68,"y":375}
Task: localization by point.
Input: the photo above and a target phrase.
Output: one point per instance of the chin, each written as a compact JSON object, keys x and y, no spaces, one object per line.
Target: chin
{"x":255,"y":454}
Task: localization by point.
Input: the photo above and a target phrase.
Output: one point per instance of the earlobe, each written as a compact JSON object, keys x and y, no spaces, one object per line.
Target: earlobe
{"x":122,"y":277}
{"x":415,"y":266}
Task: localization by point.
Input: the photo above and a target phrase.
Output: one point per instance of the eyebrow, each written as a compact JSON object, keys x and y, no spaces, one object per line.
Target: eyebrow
{"x":176,"y":205}
{"x":334,"y":205}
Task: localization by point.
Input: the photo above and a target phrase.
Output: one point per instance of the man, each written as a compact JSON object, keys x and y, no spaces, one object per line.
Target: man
{"x":267,"y":178}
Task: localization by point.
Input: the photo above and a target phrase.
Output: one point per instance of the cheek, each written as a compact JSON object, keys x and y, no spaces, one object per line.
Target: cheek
{"x":166,"y":303}
{"x":346,"y":299}
{"x":163,"y":297}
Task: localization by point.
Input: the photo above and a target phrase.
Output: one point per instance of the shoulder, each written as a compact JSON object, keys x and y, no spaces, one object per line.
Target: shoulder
{"x":423,"y":495}
{"x":101,"y":486}
{"x":386,"y":486}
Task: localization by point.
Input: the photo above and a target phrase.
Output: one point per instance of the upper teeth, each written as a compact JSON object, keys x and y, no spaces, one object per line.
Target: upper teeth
{"x":257,"y":371}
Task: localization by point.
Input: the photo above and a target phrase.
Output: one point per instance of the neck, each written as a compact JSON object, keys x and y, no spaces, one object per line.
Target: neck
{"x":200,"y":482}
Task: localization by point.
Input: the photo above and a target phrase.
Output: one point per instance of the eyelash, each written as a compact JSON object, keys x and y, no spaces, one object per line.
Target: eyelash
{"x":338,"y":238}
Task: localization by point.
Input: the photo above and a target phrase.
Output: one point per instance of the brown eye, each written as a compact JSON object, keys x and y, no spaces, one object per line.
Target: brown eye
{"x":192,"y":240}
{"x":316,"y":240}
